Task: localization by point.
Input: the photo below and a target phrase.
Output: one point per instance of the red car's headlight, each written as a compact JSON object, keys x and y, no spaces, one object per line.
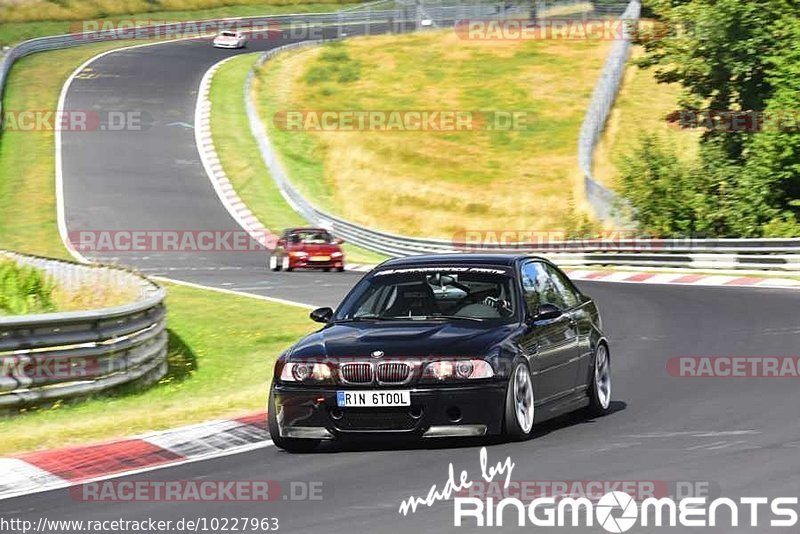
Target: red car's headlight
{"x":306,"y":372}
{"x":457,"y":370}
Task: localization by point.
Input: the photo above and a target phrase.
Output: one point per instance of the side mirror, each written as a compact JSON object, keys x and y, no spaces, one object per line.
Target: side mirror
{"x":281,"y":242}
{"x":321,"y":315}
{"x":545,"y":312}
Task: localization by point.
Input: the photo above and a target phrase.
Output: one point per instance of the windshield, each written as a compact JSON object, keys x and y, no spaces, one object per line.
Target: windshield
{"x":432,"y":293}
{"x":228,"y":34}
{"x":311,"y":237}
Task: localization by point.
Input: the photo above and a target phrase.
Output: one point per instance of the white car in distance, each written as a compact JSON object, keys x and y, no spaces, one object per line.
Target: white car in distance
{"x":229,"y":39}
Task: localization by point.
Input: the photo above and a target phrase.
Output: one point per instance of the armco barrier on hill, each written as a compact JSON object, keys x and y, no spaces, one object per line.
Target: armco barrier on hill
{"x":749,"y":255}
{"x":51,"y":356}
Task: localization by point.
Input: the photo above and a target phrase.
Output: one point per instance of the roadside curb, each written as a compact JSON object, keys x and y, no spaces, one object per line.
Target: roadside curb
{"x":684,"y":278}
{"x":39,"y":471}
{"x":213,"y":166}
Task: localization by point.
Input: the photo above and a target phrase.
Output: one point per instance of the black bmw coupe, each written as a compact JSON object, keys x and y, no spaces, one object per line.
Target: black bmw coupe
{"x":444,"y":346}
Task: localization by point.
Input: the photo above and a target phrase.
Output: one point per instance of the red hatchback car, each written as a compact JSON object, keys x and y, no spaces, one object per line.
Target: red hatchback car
{"x":312,"y":248}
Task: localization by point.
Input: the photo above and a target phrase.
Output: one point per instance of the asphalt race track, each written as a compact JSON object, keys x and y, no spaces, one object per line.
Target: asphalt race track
{"x":738,"y":436}
{"x":152,"y":178}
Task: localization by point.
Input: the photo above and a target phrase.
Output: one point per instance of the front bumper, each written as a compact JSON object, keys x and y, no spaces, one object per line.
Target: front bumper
{"x":226,"y":45}
{"x":441,"y":411}
{"x":305,"y":263}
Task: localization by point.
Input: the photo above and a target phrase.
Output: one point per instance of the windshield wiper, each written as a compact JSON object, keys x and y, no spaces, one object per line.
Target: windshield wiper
{"x":408,"y":318}
{"x":436,"y":317}
{"x":462,"y":317}
{"x":367,"y":318}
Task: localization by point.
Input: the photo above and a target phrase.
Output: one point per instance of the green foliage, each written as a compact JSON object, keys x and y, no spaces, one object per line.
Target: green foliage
{"x":654,"y":182}
{"x":24,"y":290}
{"x":335,"y":65}
{"x":710,"y":198}
{"x":772,"y":157}
{"x":729,"y":55}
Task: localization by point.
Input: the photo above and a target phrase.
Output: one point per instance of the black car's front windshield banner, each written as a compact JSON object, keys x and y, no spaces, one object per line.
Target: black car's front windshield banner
{"x":433,"y":293}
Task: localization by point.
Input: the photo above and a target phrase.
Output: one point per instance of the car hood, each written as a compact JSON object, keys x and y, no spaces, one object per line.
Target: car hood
{"x":402,"y":340}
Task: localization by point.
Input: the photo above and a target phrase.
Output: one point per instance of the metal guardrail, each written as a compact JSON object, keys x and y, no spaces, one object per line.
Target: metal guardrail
{"x":764,"y":254}
{"x":603,"y":200}
{"x":740,"y":254}
{"x":52,"y":356}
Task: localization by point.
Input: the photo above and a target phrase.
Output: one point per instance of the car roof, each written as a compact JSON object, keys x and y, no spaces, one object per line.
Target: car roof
{"x":459,"y":259}
{"x":307,"y":229}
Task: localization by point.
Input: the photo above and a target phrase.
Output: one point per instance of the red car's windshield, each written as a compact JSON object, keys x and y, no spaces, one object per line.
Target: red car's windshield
{"x":311,"y":237}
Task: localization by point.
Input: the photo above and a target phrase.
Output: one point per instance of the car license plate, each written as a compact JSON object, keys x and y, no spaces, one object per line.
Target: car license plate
{"x":370,"y":399}
{"x":320,"y":258}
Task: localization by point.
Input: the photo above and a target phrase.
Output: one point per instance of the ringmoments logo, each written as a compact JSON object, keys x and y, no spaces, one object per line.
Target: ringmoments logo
{"x":614,"y":511}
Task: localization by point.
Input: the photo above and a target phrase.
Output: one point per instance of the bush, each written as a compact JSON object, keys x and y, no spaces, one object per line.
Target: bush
{"x":654,"y":182}
{"x":24,"y":290}
{"x":335,"y":65}
{"x":708,"y":198}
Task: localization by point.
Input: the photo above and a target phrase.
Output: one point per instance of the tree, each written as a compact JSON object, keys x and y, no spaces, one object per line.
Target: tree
{"x":729,"y":56}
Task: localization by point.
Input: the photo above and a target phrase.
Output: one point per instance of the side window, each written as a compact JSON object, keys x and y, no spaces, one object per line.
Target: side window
{"x":529,"y":293}
{"x":539,"y":288}
{"x":564,"y":286}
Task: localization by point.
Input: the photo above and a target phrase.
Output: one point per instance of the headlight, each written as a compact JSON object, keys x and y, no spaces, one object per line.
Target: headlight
{"x":336,"y":255}
{"x":306,"y":372}
{"x":457,"y":370}
{"x":298,"y":254}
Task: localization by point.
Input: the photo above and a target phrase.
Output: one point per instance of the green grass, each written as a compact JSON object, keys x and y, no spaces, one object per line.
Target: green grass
{"x":221,"y":347}
{"x":240,"y":156}
{"x":17,"y":26}
{"x":27,"y":162}
{"x":434,"y":183}
{"x":222,"y":350}
{"x":24,"y":289}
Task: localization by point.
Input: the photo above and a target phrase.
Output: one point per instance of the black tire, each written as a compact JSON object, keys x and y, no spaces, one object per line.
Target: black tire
{"x":287,"y":444}
{"x":327,"y":269}
{"x":513,"y":431}
{"x":596,"y":408}
{"x":340,"y":269}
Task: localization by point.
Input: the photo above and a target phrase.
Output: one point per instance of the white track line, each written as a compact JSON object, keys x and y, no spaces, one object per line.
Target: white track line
{"x":60,"y":215}
{"x":237,"y":293}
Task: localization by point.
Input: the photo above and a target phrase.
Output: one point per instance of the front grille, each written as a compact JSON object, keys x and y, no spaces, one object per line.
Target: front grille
{"x":393,"y":373}
{"x":372,"y":419}
{"x":357,"y":373}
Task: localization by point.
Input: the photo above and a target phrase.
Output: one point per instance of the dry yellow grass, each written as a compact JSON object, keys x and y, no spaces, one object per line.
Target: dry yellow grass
{"x":92,"y":296}
{"x":439,"y":183}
